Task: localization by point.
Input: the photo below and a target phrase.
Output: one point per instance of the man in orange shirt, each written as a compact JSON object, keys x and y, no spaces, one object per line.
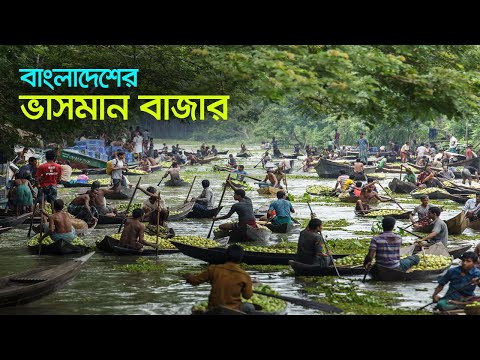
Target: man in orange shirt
{"x":47,"y":177}
{"x":229,"y":282}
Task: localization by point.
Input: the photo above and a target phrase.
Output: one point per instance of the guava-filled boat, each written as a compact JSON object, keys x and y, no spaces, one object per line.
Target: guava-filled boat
{"x":302,"y":269}
{"x":217,"y":255}
{"x":269,"y":190}
{"x":456,"y":225}
{"x":176,"y":183}
{"x":401,"y":187}
{"x":401,"y":215}
{"x":59,"y":247}
{"x":329,"y":169}
{"x":111,"y":246}
{"x":180,"y":212}
{"x":208,"y":159}
{"x":28,"y":286}
{"x":246,"y":234}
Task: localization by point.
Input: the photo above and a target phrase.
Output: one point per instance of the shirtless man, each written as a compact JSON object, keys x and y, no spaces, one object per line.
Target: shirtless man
{"x":99,"y":202}
{"x":174,"y":173}
{"x":358,"y":170}
{"x":366,"y":195}
{"x":133,"y":233}
{"x":150,"y":207}
{"x":272,"y":180}
{"x":81,"y":207}
{"x":59,"y":224}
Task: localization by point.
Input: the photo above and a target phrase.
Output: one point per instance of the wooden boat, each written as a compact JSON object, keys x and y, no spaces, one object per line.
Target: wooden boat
{"x":142,"y":173}
{"x":245,"y":155}
{"x":109,"y":220}
{"x":121,"y":195}
{"x":280,"y":229}
{"x":94,"y":171}
{"x":460,"y":190}
{"x":290,"y":156}
{"x":12,"y":221}
{"x":269,"y":190}
{"x":354,"y":199}
{"x":217,"y":255}
{"x":401,"y":187}
{"x":261,"y":211}
{"x":457,"y":224}
{"x":460,"y":199}
{"x":329,"y":169}
{"x":434,"y":195}
{"x":247,"y":234}
{"x":28,"y":286}
{"x":181,"y":211}
{"x":404,"y":215}
{"x":457,"y":251}
{"x":79,"y":160}
{"x":302,"y":269}
{"x":59,"y":247}
{"x":208,"y":159}
{"x":5,"y":229}
{"x":196,"y":214}
{"x":475,"y":162}
{"x":382,"y":273}
{"x":111,"y":246}
{"x":475,"y":225}
{"x":449,"y":312}
{"x":222,"y":152}
{"x":176,"y":183}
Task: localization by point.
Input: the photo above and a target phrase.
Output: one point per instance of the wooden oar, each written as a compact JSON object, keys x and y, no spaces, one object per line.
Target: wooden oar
{"x":219,"y":204}
{"x":158,"y":220}
{"x":454,"y":291}
{"x":191,"y":186}
{"x":424,"y":257}
{"x":400,"y":206}
{"x":260,"y":161}
{"x":404,"y":229}
{"x":302,"y":302}
{"x":286,"y":184}
{"x":31,"y":218}
{"x":367,"y":270}
{"x":129,"y":203}
{"x":164,"y":176}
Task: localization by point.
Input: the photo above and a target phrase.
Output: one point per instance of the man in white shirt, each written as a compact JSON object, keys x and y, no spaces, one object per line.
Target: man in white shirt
{"x":285,"y":164}
{"x":66,"y":172}
{"x":206,"y":199}
{"x":471,"y":208}
{"x":421,"y":151}
{"x":117,"y":175}
{"x":138,"y":145}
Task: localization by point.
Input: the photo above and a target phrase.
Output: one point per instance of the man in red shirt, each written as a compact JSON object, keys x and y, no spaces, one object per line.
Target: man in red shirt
{"x":47,"y":177}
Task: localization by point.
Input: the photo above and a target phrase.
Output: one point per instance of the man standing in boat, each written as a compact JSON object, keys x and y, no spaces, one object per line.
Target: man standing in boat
{"x":47,"y":177}
{"x":117,"y":174}
{"x":439,"y":232}
{"x":363,"y":148}
{"x":243,"y":208}
{"x":59,"y":224}
{"x":229,"y":282}
{"x":386,"y":249}
{"x":133,"y":233}
{"x":282,"y":208}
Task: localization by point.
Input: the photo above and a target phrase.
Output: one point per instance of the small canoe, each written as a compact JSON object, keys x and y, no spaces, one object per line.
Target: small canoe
{"x":109,"y":220}
{"x":12,"y":221}
{"x":196,"y":214}
{"x":111,"y":246}
{"x":176,"y":183}
{"x":403,"y":215}
{"x":302,"y":269}
{"x":121,"y":195}
{"x":59,"y":247}
{"x":401,"y":187}
{"x":247,"y":234}
{"x":223,"y":310}
{"x":245,"y":155}
{"x":458,"y":251}
{"x":382,"y":273}
{"x":261,"y":211}
{"x":25,"y":287}
{"x":457,"y":224}
{"x":290,"y":156}
{"x":434,"y":195}
{"x":206,"y":160}
{"x":460,"y":199}
{"x":280,"y":229}
{"x":222,"y":152}
{"x":354,"y":199}
{"x":180,"y":212}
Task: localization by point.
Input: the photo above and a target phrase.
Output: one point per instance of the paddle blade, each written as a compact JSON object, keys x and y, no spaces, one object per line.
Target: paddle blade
{"x":306,"y":303}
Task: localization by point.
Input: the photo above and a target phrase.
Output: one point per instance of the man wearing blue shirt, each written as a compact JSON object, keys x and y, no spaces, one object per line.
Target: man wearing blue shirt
{"x":282,"y":208}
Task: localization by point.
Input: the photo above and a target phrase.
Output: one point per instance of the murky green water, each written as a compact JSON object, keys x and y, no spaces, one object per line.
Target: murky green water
{"x":101,"y":289}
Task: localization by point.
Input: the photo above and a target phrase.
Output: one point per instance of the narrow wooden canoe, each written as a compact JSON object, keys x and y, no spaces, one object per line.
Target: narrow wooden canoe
{"x":354,"y":199}
{"x":329,"y":169}
{"x":245,"y":155}
{"x":458,"y":251}
{"x":223,"y":310}
{"x":121,"y":195}
{"x":280,"y":229}
{"x":247,"y":234}
{"x":206,"y":160}
{"x":195,"y":214}
{"x":12,"y":221}
{"x":59,"y":247}
{"x":433,"y":195}
{"x":34,"y":284}
{"x":111,"y":246}
{"x":269,"y":190}
{"x":181,"y":211}
{"x":401,"y":187}
{"x":457,"y":224}
{"x":460,"y":199}
{"x":222,"y":152}
{"x":381,"y":273}
{"x":176,"y":183}
{"x":404,"y":215}
{"x":302,"y":269}
{"x":109,"y":220}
